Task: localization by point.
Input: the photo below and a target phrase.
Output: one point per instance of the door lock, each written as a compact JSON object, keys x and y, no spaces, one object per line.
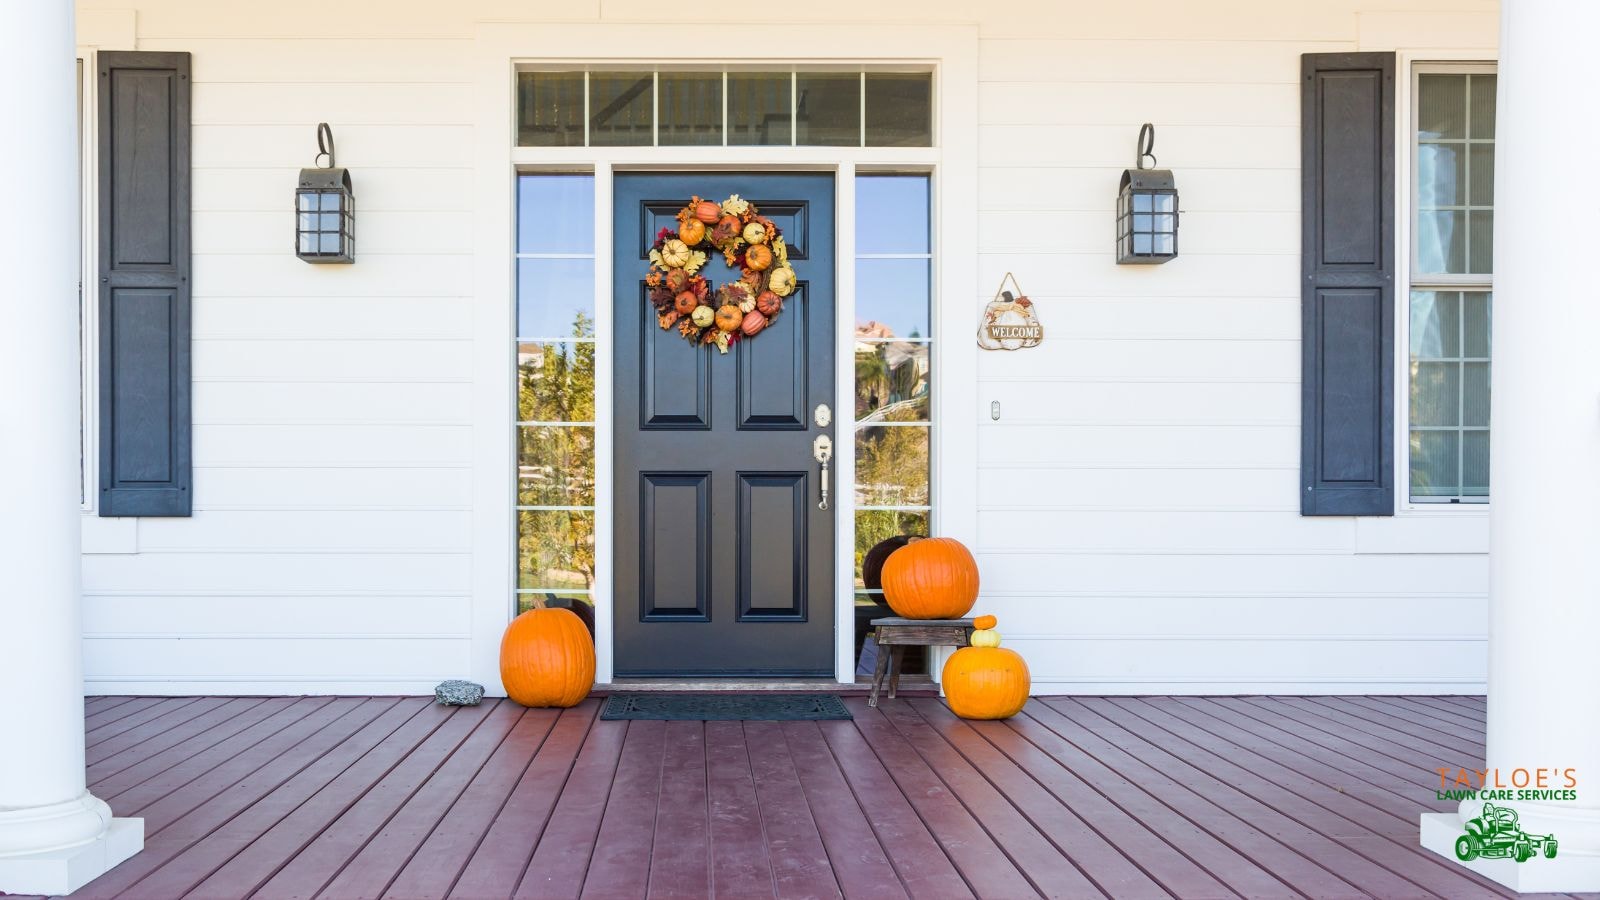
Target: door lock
{"x":822,"y":449}
{"x":822,"y":415}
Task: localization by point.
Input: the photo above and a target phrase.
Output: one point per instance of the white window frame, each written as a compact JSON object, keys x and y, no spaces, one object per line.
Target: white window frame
{"x":1414,"y":65}
{"x":950,"y":52}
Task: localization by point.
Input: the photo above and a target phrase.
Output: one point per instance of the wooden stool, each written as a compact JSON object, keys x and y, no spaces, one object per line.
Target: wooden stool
{"x":896,"y":634}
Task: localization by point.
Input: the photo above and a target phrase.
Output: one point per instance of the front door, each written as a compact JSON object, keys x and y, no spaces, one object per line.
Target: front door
{"x":724,"y":558}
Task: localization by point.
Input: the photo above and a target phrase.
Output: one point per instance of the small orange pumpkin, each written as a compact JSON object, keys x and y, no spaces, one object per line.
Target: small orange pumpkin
{"x":707,"y":212}
{"x":692,"y":232}
{"x":931,"y":578}
{"x":685,"y":303}
{"x":983,"y":623}
{"x":729,"y":317}
{"x":677,"y":280}
{"x":769,"y":304}
{"x":985,"y":682}
{"x":758,"y":257}
{"x":753,"y":322}
{"x":547,"y":658}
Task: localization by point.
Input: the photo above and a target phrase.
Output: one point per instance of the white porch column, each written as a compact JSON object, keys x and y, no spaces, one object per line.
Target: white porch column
{"x":54,"y":835}
{"x":1544,"y":585}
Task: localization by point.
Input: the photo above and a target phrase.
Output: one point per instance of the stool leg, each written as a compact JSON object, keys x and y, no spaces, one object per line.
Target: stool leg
{"x":895,"y":665}
{"x":877,"y":674}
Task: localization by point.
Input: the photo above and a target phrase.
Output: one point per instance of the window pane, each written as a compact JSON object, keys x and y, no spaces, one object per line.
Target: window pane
{"x":1475,"y":464}
{"x":1442,"y":106}
{"x":1480,"y":246}
{"x":891,"y":381}
{"x":1475,"y":310}
{"x":1475,"y":394}
{"x":555,"y":298}
{"x":892,"y":214}
{"x":1435,"y":393}
{"x":892,"y":466}
{"x":555,"y":382}
{"x":555,"y":549}
{"x":1442,"y":242}
{"x":555,"y":465}
{"x":621,"y":109}
{"x":758,"y":108}
{"x":1435,"y":463}
{"x":550,"y":109}
{"x":1483,"y":109}
{"x":1435,"y":324}
{"x":1480,"y":191}
{"x":691,"y":109}
{"x":555,"y":214}
{"x":828,"y":109}
{"x":876,"y":525}
{"x":1441,"y":175}
{"x":899,"y":109}
{"x":892,"y":298}
{"x":581,"y":603}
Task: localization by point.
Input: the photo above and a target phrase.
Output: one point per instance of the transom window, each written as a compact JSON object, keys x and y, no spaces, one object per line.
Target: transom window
{"x":1452,"y":265}
{"x":634,"y":107}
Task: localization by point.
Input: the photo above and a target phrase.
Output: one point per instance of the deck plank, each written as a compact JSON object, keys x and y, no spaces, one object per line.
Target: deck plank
{"x":561,"y":860}
{"x":286,"y":821}
{"x":1128,"y":797}
{"x":370,"y":871}
{"x":319,"y":861}
{"x":740,"y":864}
{"x":1102,"y":862}
{"x":1332,"y":812}
{"x":1045,"y":867}
{"x":860,"y":864}
{"x":794,"y":846}
{"x":680,"y":854}
{"x":620,"y":866}
{"x":433,"y":869}
{"x":216,"y":806}
{"x":918,"y":857}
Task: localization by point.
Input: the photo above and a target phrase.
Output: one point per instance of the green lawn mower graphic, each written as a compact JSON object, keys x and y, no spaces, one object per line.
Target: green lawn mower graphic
{"x":1494,"y":835}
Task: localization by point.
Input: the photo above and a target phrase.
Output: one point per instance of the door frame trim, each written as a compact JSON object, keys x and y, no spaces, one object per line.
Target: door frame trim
{"x":952,"y":165}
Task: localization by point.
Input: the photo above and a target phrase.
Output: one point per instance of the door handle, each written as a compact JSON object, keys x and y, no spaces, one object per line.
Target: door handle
{"x":822,"y":449}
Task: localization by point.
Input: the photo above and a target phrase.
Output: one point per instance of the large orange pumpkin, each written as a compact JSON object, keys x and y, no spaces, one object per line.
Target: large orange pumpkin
{"x":547,"y":658}
{"x":931,"y":578}
{"x":985,"y":682}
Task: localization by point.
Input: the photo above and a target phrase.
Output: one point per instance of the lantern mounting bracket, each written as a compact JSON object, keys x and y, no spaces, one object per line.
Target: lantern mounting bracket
{"x":325,"y":146}
{"x":1147,"y":146}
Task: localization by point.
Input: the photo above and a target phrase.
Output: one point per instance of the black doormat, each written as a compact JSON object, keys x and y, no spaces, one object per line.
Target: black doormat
{"x":725,"y":707}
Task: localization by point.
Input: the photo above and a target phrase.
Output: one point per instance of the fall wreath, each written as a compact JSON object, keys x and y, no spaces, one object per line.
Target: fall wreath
{"x":749,"y":242}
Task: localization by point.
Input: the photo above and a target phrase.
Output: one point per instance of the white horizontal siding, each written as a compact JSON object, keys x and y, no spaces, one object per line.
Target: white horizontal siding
{"x":1137,"y":522}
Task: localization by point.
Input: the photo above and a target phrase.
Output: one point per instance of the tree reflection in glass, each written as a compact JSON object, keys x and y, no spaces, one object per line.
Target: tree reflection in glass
{"x":555,"y":461}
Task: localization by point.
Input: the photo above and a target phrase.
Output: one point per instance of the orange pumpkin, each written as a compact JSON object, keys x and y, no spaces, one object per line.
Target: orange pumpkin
{"x":677,"y":280}
{"x":685,"y":303}
{"x":985,"y":682}
{"x":931,"y":578}
{"x":707,"y":212}
{"x":985,"y":622}
{"x":547,"y":658}
{"x":769,"y":304}
{"x":692,"y":232}
{"x":729,"y":317}
{"x":753,"y":322}
{"x":758,"y":257}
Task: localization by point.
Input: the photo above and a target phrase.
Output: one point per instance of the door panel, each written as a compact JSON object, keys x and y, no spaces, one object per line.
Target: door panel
{"x":724,"y":562}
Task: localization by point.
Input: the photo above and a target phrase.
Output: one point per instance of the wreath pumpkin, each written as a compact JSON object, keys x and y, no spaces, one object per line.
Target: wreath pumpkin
{"x":748,"y":242}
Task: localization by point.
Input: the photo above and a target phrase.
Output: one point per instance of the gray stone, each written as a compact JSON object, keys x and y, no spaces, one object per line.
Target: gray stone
{"x":456,"y":692}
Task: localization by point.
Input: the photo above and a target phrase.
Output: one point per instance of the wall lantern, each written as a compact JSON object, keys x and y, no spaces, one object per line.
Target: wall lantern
{"x":325,"y":209}
{"x":1147,"y":209}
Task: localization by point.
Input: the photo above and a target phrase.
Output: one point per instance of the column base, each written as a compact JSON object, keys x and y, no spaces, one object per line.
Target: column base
{"x":1567,"y":873}
{"x":56,"y":872}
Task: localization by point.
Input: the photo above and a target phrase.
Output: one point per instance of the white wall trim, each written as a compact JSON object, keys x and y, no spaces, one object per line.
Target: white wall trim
{"x":952,"y":51}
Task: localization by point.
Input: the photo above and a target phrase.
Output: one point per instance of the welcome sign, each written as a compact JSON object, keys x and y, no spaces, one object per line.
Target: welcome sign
{"x":1010,"y":321}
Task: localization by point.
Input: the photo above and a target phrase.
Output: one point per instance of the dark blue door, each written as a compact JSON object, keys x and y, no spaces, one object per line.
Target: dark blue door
{"x":724,"y":560}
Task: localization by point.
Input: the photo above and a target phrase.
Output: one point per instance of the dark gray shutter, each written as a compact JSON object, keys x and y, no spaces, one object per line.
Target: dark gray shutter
{"x":144,"y":284}
{"x":1347,"y":288}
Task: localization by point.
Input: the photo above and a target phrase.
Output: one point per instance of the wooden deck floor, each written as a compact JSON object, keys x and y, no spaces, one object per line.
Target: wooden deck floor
{"x":1124,"y":797}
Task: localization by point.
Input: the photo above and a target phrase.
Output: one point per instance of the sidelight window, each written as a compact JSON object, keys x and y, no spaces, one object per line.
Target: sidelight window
{"x":651,"y":107}
{"x":555,"y":348}
{"x":893,"y":372}
{"x":1452,"y":265}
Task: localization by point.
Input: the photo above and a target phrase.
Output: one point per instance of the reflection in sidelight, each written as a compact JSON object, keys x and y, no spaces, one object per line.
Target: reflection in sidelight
{"x":555,"y":465}
{"x":892,"y":379}
{"x":892,"y":465}
{"x":555,"y":549}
